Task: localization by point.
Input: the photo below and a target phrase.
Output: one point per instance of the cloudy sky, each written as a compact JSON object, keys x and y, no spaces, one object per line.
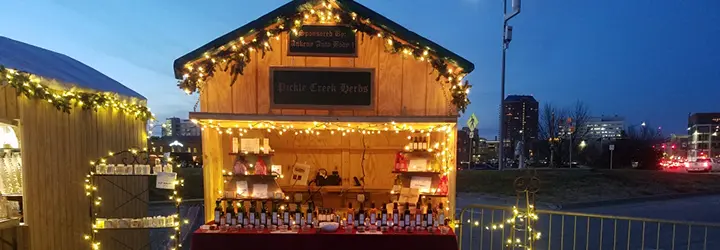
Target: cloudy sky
{"x":647,"y":60}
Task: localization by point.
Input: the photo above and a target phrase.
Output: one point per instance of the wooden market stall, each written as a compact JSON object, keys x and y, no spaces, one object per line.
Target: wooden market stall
{"x":62,"y":115}
{"x":334,"y":87}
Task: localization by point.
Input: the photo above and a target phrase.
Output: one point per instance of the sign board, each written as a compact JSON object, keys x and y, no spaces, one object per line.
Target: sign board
{"x":323,"y":40}
{"x":472,"y":122}
{"x":612,"y":147}
{"x":165,"y":180}
{"x":322,"y":88}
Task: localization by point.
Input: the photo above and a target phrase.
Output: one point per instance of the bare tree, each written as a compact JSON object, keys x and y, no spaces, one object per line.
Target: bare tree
{"x":580,"y":116}
{"x":551,"y":120}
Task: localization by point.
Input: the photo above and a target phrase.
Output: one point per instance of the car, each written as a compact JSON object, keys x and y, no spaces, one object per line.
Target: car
{"x":701,"y":165}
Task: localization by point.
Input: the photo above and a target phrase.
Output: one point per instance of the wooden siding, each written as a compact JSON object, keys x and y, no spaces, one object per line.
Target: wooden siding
{"x":404,"y":85}
{"x":8,"y":104}
{"x":56,"y":150}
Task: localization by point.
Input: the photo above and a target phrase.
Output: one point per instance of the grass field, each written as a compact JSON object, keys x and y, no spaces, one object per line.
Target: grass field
{"x":581,"y":185}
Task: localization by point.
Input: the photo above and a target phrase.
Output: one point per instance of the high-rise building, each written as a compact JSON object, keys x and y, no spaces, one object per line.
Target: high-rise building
{"x":467,"y":147}
{"x":180,"y":127}
{"x":521,"y":122}
{"x":604,"y":127}
{"x":704,"y":132}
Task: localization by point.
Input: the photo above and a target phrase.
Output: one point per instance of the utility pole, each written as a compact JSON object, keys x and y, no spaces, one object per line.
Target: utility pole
{"x":507,"y":37}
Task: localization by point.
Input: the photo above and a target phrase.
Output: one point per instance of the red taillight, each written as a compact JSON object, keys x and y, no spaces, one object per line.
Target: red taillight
{"x":687,"y":165}
{"x":705,"y":164}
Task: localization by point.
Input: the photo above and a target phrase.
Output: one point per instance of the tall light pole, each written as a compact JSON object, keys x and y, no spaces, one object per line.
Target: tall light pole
{"x":507,"y":37}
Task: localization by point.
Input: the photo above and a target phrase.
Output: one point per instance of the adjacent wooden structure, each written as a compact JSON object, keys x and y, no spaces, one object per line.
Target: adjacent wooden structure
{"x":57,"y":148}
{"x":405,"y":91}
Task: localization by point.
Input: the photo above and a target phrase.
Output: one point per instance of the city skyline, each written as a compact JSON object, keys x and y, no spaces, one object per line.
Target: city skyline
{"x":607,"y":54}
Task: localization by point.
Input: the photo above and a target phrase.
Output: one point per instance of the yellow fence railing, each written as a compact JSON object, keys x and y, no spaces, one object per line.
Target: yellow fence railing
{"x":486,"y":227}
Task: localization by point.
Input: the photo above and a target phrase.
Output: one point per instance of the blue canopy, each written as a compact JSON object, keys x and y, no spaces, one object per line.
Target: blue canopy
{"x":49,"y":64}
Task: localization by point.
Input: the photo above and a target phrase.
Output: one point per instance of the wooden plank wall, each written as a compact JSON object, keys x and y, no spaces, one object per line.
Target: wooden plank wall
{"x":56,"y":150}
{"x":405,"y":86}
{"x":8,"y":104}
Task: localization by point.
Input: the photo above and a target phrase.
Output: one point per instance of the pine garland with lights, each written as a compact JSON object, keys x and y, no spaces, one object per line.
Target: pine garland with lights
{"x":29,"y":85}
{"x":234,"y":56}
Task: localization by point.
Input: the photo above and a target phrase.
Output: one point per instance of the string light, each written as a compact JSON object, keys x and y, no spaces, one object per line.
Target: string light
{"x":30,"y":86}
{"x":234,"y":53}
{"x":91,"y":191}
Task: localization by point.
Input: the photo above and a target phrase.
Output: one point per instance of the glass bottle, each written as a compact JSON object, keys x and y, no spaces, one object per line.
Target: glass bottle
{"x":396,"y":214}
{"x":350,"y":214}
{"x":383,"y":215}
{"x":252,"y":214}
{"x":274,"y":214}
{"x":241,"y":215}
{"x":230,"y":214}
{"x":218,"y":212}
{"x":263,"y":213}
{"x":373,"y":214}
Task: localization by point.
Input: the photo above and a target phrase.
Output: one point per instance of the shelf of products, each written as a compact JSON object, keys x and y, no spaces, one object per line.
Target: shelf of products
{"x":424,"y":173}
{"x":260,"y":154}
{"x":333,"y":189}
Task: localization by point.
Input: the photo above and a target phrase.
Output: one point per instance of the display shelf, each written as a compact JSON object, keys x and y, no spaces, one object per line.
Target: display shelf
{"x":127,"y":175}
{"x":250,"y":199}
{"x":261,"y":154}
{"x":334,"y":189}
{"x":133,"y":228}
{"x":424,"y":173}
{"x":433,"y":195}
{"x":251,"y":175}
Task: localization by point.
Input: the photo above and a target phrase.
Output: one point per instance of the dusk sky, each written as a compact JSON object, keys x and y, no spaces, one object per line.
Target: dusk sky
{"x":646,"y":60}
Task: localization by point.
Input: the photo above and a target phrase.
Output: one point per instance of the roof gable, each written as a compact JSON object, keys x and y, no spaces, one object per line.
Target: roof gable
{"x":230,"y":49}
{"x":49,"y":64}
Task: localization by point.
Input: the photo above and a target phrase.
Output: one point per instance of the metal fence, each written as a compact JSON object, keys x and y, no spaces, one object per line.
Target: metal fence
{"x":568,"y":230}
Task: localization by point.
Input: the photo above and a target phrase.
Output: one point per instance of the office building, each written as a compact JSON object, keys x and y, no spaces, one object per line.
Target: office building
{"x":180,"y":127}
{"x":467,"y":147}
{"x":704,"y":130}
{"x":604,"y":127}
{"x":521,"y":122}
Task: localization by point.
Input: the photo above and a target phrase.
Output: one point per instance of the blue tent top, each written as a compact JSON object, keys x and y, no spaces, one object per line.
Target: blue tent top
{"x":49,"y":64}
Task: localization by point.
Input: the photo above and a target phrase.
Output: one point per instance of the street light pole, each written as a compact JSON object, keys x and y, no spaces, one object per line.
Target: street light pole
{"x":507,"y":37}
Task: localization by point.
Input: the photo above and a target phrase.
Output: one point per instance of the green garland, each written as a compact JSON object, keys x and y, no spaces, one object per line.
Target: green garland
{"x":234,"y":57}
{"x":66,"y":100}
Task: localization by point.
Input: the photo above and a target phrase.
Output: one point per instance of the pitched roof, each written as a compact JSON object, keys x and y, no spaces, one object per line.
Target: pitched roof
{"x":348,"y":5}
{"x":49,"y":64}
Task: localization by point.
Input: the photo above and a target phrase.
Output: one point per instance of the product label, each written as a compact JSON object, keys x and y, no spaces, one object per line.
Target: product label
{"x":252,"y":218}
{"x":407,"y":219}
{"x":223,"y":221}
{"x":309,"y":218}
{"x":383,"y":220}
{"x":350,"y":219}
{"x":298,"y":218}
{"x":402,"y":223}
{"x":430,"y":220}
{"x":241,"y":218}
{"x":418,"y":219}
{"x":274,"y":218}
{"x":263,"y":217}
{"x":286,"y":218}
{"x":228,"y":217}
{"x":441,"y":219}
{"x":217,"y":216}
{"x":257,"y":222}
{"x":412,"y":223}
{"x":373,"y":218}
{"x":396,"y":217}
{"x":234,"y":222}
{"x":424,"y":223}
{"x":361,"y":219}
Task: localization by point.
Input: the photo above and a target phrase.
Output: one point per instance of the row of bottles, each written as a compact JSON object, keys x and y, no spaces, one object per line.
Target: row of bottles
{"x":419,"y":143}
{"x":240,"y":216}
{"x":236,"y":214}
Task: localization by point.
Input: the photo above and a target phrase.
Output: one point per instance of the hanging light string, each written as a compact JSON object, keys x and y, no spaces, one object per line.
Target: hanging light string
{"x":234,"y":56}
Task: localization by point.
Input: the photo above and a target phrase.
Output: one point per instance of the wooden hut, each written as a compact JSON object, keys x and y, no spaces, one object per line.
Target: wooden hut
{"x":65,"y":114}
{"x":333,"y":85}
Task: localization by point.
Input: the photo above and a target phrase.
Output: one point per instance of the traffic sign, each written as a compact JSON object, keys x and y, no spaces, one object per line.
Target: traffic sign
{"x":472,"y":122}
{"x":612,"y":147}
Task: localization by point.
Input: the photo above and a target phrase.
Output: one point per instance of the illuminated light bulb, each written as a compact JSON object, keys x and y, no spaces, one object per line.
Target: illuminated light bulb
{"x":389,"y":41}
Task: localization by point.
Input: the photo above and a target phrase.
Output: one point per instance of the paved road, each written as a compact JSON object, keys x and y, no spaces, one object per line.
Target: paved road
{"x":570,"y":232}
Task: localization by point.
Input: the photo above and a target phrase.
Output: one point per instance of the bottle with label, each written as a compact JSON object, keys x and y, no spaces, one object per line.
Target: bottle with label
{"x":429,"y":215}
{"x":298,"y":215}
{"x":441,"y":215}
{"x":350,"y":214}
{"x":286,"y":215}
{"x":360,"y":216}
{"x":425,"y":143}
{"x":241,"y":216}
{"x":218,"y":212}
{"x":263,"y":213}
{"x":406,"y":216}
{"x":418,"y":214}
{"x":230,"y":214}
{"x":373,"y":214}
{"x":252,"y":214}
{"x":416,"y":144}
{"x":384,"y":215}
{"x":396,"y":214}
{"x":274,"y":214}
{"x":309,"y":215}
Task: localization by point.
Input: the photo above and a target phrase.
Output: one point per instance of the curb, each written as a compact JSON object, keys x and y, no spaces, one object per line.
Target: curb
{"x":581,"y":205}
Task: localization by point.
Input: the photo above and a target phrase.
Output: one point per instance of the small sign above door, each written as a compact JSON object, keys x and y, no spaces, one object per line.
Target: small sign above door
{"x":323,"y":40}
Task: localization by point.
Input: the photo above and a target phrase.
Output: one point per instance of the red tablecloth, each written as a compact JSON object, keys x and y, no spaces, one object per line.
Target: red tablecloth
{"x":210,"y":240}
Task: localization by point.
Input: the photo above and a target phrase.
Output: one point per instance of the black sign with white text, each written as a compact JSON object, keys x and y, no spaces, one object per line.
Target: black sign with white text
{"x":325,"y":88}
{"x":322,"y":40}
